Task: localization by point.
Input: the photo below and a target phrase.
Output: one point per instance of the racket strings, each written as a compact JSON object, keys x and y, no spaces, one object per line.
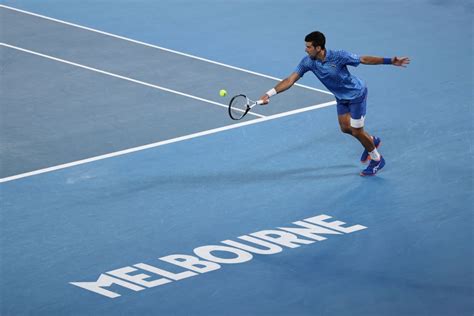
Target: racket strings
{"x":238,"y":106}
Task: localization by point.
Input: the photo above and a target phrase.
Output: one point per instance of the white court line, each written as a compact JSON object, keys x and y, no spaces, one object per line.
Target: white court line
{"x":120,"y":77}
{"x":165,"y":142}
{"x":157,"y":47}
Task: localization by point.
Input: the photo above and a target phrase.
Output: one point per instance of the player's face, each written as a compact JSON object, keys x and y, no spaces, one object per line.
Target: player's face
{"x":311,"y":50}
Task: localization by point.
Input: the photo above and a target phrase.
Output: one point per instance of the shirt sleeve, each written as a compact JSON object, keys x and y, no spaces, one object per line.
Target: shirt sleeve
{"x":302,"y":67}
{"x":347,"y":58}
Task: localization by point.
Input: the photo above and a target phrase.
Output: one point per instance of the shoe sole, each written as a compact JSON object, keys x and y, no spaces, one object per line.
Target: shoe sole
{"x":371,"y":175}
{"x":368,"y":156}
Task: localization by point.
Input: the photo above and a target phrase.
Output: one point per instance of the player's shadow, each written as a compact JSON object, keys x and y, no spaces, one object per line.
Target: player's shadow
{"x":236,"y":178}
{"x":309,"y":173}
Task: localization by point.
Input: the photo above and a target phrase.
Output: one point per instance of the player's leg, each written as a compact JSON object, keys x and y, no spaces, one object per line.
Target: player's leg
{"x":354,"y":126}
{"x":357,"y":122}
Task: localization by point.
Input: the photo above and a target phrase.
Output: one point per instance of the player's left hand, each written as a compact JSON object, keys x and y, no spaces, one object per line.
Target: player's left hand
{"x":400,"y":61}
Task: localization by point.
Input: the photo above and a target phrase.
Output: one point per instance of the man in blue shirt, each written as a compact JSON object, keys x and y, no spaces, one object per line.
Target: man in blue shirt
{"x":330,"y":66}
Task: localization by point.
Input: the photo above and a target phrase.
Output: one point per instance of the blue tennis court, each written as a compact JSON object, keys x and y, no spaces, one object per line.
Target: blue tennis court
{"x":126,"y":189}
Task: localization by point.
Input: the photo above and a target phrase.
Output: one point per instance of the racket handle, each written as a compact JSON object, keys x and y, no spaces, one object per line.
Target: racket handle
{"x":259,"y":102}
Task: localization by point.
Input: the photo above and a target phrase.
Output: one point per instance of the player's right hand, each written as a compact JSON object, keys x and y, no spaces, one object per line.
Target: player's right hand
{"x":265,"y":98}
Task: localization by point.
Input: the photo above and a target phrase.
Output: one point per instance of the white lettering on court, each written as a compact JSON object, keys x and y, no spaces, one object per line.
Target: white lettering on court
{"x":209,"y":258}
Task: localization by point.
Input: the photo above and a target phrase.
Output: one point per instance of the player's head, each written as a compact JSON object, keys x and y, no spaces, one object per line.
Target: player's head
{"x":316,"y":38}
{"x":315,"y":43}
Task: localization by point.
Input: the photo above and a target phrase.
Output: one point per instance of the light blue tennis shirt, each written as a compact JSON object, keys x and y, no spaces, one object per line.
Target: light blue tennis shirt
{"x":333,"y":73}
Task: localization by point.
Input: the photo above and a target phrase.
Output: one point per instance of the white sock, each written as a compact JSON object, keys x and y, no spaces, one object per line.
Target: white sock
{"x":374,"y":155}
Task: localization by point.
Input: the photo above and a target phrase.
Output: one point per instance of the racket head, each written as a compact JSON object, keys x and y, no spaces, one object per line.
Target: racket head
{"x":239,"y":106}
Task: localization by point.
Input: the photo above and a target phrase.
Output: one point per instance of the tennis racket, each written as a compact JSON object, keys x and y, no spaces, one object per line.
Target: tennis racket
{"x":240,"y":105}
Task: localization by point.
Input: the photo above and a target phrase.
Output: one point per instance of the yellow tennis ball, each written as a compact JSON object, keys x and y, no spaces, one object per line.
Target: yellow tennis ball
{"x":222,"y":93}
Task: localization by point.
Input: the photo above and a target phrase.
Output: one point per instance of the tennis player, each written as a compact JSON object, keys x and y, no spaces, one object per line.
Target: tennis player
{"x":330,"y":66}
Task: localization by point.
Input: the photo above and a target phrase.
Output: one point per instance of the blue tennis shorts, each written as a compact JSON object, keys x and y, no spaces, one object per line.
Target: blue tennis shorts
{"x":356,"y":107}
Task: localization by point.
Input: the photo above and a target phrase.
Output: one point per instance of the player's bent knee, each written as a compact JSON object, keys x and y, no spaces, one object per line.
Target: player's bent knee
{"x":346,"y":129}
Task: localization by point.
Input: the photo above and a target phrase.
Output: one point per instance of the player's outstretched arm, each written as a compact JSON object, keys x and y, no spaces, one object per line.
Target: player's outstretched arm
{"x":283,"y":85}
{"x":396,"y":61}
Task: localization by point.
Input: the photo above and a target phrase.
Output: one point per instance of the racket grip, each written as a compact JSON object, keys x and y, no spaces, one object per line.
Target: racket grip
{"x":259,"y":102}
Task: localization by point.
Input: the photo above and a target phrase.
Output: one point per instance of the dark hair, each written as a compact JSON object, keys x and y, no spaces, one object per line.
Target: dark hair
{"x":317,"y":38}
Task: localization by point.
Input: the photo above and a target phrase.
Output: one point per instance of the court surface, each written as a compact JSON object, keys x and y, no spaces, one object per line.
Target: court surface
{"x":127,"y":190}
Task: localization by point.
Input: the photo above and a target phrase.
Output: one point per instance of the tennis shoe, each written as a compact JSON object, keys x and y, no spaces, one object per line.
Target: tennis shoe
{"x":365,"y":155}
{"x":373,"y":167}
